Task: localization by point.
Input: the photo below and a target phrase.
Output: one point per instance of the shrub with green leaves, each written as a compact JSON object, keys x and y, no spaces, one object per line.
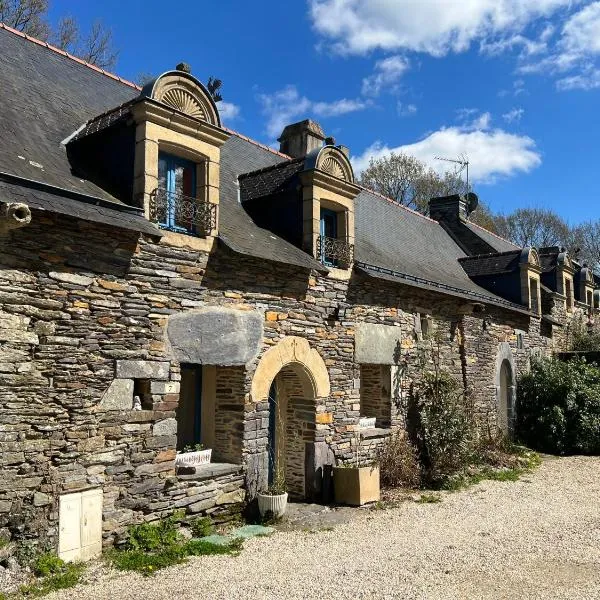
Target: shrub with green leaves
{"x":154,"y":546}
{"x":558,"y":407}
{"x":445,"y":428}
{"x":201,"y":527}
{"x":149,"y":537}
{"x":54,"y":574}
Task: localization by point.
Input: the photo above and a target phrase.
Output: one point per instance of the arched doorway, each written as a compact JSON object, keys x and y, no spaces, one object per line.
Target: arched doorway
{"x":505,"y":389}
{"x":292,"y":378}
{"x":506,"y":407}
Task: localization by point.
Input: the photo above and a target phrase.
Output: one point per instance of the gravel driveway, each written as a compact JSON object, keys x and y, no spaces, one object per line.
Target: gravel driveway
{"x":536,"y":538}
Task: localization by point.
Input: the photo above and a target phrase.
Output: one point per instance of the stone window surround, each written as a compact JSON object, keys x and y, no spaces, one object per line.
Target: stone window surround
{"x":530,"y":270}
{"x":162,"y":129}
{"x":323,"y":190}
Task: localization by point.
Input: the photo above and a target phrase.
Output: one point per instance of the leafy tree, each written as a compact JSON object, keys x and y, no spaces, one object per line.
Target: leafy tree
{"x":537,"y":227}
{"x":31,"y":17}
{"x":410,"y":182}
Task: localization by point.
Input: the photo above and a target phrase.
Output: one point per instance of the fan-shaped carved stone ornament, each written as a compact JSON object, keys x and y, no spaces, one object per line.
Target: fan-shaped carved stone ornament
{"x":333,"y":167}
{"x":185,"y":102}
{"x":331,"y":160}
{"x":185,"y":93}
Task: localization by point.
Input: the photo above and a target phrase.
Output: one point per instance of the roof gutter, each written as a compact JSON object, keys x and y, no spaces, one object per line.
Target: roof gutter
{"x":54,"y":189}
{"x":444,"y":288}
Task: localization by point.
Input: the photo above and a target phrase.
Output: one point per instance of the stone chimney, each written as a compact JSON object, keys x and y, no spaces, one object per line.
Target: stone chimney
{"x":299,"y":139}
{"x":450,"y":209}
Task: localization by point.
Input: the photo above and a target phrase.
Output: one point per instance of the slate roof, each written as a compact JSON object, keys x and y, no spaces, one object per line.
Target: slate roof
{"x":491,"y":264}
{"x":396,"y":244}
{"x":236,"y":228}
{"x":499,"y":244}
{"x":269,"y":180}
{"x":51,"y":96}
{"x":82,"y":208}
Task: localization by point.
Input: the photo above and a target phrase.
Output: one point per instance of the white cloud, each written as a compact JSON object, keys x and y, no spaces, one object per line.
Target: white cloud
{"x":581,"y":33}
{"x":287,"y":105}
{"x":433,"y":26}
{"x":228,"y":111}
{"x":406,"y":110}
{"x":469,"y":121}
{"x":574,"y":59}
{"x":514,"y":115}
{"x":387,"y":74}
{"x":492,"y":154}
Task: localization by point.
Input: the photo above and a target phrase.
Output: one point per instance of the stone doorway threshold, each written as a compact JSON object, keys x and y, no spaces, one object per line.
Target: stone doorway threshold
{"x":301,"y":516}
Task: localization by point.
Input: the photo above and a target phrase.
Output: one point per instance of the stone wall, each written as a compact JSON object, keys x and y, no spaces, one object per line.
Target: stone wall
{"x":85,"y":325}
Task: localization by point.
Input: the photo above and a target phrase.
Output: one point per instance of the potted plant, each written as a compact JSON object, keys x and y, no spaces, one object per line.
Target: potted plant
{"x":193,"y":455}
{"x":356,"y":484}
{"x":274,"y":499}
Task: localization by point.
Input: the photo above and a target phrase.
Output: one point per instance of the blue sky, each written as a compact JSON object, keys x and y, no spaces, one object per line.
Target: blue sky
{"x":514,"y":84}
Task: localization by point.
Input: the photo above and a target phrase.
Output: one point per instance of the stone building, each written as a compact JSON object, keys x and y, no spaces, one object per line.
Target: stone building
{"x":165,"y":281}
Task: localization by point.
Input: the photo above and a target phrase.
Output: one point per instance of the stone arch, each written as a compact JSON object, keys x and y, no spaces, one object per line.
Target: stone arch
{"x":505,"y":381}
{"x":296,"y":353}
{"x":330,"y":159}
{"x":183,"y":92}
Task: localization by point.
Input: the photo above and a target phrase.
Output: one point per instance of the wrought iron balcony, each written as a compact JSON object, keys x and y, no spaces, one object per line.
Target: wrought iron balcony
{"x":185,"y":214}
{"x":334,"y":252}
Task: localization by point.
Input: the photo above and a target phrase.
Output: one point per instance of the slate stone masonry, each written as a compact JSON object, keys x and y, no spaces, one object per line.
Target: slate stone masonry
{"x":86,"y":314}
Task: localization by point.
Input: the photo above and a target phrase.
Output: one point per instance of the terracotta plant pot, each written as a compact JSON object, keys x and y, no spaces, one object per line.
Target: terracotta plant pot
{"x":356,"y":485}
{"x":273,"y":504}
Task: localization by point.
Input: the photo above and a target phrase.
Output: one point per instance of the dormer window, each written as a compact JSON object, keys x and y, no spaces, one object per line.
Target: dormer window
{"x":333,"y":247}
{"x":177,"y":157}
{"x":569,"y":293}
{"x":179,"y":202}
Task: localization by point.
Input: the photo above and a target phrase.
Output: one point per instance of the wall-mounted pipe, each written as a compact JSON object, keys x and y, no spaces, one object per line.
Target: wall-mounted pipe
{"x":14,"y":215}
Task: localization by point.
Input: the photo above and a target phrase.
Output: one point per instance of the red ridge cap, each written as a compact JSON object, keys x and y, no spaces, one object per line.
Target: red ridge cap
{"x":71,"y":56}
{"x":494,"y":234}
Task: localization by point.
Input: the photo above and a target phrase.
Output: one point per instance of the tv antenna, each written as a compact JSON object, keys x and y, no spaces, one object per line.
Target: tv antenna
{"x":462,"y":161}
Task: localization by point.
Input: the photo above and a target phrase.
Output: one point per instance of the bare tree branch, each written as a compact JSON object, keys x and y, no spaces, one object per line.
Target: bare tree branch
{"x":536,"y":227}
{"x":67,"y":35}
{"x":97,"y":48}
{"x":30,"y":17}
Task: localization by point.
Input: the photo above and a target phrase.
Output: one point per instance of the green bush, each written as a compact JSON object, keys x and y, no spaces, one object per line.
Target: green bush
{"x":47,"y":564}
{"x":154,"y":546}
{"x":149,"y":537}
{"x":558,"y":407}
{"x":445,"y":428}
{"x":201,"y":527}
{"x":55,"y":574}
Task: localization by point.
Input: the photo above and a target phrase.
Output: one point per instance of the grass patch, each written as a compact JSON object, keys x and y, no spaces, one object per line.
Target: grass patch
{"x":429,"y":499}
{"x":155,"y":546}
{"x":60,"y":577}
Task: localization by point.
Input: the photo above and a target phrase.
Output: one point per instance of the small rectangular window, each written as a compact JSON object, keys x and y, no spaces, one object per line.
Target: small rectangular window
{"x":533,"y":291}
{"x":189,"y":411}
{"x":376,"y":393}
{"x":569,"y":294}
